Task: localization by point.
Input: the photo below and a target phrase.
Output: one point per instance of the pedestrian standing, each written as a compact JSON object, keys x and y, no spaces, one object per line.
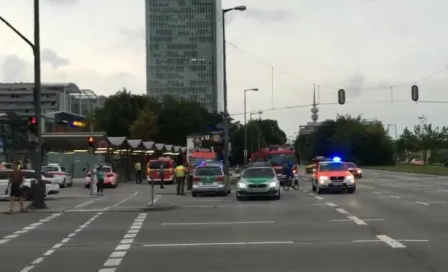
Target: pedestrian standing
{"x":100,"y":181}
{"x":138,"y":173}
{"x":161,"y":174}
{"x":16,"y":179}
{"x":180,"y":179}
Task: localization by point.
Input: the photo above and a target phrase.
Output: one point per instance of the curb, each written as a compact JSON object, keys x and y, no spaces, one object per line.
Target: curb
{"x":159,"y":208}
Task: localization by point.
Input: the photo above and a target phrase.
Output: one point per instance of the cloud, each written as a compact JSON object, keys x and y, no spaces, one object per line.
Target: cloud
{"x":269,"y":15}
{"x":52,"y":58}
{"x":355,"y":84}
{"x":14,"y":69}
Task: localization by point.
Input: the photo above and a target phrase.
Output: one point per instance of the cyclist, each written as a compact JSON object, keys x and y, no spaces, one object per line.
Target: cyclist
{"x":287,"y":170}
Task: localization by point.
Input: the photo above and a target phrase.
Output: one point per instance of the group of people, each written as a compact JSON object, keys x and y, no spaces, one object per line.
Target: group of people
{"x":180,"y":173}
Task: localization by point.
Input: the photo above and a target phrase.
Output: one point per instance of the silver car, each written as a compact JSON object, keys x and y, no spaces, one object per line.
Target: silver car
{"x":210,"y":178}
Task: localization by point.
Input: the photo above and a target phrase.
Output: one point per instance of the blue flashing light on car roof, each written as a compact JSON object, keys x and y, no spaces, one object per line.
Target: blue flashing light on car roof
{"x":337,"y":159}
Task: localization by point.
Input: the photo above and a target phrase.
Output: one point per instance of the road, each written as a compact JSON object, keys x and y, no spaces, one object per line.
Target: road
{"x":394,"y":222}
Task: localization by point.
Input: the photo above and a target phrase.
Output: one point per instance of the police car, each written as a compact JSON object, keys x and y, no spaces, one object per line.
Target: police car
{"x":209,"y":177}
{"x":60,"y":173}
{"x":258,"y":181}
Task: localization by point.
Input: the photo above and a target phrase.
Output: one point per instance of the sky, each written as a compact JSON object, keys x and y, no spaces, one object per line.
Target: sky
{"x":374,"y":49}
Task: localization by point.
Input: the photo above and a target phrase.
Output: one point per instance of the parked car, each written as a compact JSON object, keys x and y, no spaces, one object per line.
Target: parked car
{"x":111,"y":179}
{"x":60,"y":172}
{"x":51,"y":186}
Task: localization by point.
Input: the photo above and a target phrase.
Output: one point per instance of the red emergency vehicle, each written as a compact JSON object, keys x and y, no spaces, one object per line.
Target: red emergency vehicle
{"x":277,"y":155}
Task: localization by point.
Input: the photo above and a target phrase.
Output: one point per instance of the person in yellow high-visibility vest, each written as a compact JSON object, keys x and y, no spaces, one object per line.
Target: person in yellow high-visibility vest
{"x":180,"y":179}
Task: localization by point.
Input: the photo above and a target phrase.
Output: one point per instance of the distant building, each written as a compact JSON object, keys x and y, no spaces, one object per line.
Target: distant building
{"x":55,"y":97}
{"x":184,"y":51}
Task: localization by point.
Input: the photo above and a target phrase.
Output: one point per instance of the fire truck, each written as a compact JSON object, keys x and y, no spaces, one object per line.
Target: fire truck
{"x":277,"y":155}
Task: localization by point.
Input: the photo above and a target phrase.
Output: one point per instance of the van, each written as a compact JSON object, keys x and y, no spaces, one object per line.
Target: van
{"x":153,"y":172}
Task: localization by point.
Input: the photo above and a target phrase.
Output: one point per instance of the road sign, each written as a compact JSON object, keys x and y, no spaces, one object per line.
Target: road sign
{"x":2,"y":144}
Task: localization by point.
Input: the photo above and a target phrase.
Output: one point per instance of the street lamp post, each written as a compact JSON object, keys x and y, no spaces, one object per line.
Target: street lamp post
{"x":39,"y":187}
{"x":245,"y":122}
{"x":226,"y":113}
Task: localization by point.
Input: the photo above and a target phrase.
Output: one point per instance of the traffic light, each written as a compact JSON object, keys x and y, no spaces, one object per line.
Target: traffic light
{"x":341,"y":96}
{"x":414,"y":93}
{"x":91,"y":143}
{"x":33,"y":125}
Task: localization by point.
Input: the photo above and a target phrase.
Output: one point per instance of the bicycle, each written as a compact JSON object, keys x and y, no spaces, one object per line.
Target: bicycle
{"x":287,"y":183}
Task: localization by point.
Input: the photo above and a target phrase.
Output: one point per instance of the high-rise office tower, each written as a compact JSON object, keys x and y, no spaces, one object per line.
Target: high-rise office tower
{"x":184,"y":50}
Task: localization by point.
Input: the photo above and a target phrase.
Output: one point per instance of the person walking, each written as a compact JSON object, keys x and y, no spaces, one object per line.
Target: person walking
{"x":180,"y":179}
{"x":16,"y":179}
{"x":100,"y":181}
{"x":138,"y":173}
{"x":161,"y":174}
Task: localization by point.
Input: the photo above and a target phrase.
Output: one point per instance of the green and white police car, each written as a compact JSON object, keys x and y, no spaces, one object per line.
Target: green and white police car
{"x":258,"y":181}
{"x":210,"y":178}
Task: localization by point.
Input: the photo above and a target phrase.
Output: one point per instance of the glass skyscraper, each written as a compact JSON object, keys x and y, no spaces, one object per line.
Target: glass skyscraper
{"x":184,"y":50}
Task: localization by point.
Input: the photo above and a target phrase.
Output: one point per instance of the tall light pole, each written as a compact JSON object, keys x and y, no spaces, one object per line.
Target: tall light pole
{"x":39,"y":186}
{"x":226,"y":112}
{"x":245,"y":122}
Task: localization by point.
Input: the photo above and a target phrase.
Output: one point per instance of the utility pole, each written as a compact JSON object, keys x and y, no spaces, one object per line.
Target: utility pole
{"x":36,"y":141}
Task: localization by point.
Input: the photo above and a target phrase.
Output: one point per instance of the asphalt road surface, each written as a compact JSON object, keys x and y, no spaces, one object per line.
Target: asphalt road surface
{"x":394,"y":222}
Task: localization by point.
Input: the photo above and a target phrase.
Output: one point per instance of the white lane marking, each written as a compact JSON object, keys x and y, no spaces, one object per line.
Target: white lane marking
{"x":221,"y":244}
{"x":422,"y":203}
{"x":373,"y":219}
{"x":216,"y":223}
{"x":367,"y":241}
{"x":16,"y":234}
{"x":89,"y":202}
{"x":341,"y":220}
{"x":319,"y":197}
{"x":115,"y":259}
{"x":407,"y":240}
{"x":341,"y":210}
{"x":437,"y":202}
{"x":378,"y":193}
{"x":156,"y":198}
{"x":357,"y":220}
{"x":121,"y":202}
{"x":317,"y":204}
{"x":58,"y":245}
{"x":391,"y":242}
{"x":393,"y":196}
{"x":331,"y":204}
{"x":445,"y":191}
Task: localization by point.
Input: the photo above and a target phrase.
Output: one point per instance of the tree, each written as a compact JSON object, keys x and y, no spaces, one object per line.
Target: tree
{"x":146,"y":126}
{"x":259,"y":133}
{"x":119,"y":112}
{"x":351,"y":138}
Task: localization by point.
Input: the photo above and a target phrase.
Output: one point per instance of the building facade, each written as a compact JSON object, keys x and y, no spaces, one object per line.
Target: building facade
{"x":56,"y":97}
{"x":184,"y":50}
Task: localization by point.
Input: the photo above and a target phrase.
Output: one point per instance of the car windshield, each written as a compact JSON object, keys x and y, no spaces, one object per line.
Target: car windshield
{"x":50,"y":169}
{"x":106,"y":169}
{"x":208,"y":171}
{"x":156,"y":164}
{"x":259,"y":172}
{"x":280,"y":159}
{"x":332,"y":166}
{"x":28,"y":174}
{"x":350,"y":165}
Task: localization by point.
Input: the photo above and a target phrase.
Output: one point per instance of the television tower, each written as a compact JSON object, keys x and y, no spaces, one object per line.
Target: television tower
{"x":314,"y":109}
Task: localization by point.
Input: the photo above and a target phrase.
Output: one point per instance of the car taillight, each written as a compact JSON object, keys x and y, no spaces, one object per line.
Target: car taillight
{"x":47,"y":182}
{"x":59,"y":174}
{"x":196,"y":179}
{"x":110,"y":175}
{"x":220,"y":178}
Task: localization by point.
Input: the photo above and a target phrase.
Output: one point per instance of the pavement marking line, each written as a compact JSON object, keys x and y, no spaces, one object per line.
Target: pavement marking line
{"x":378,"y":193}
{"x":407,"y":240}
{"x":220,"y":244}
{"x":331,"y":204}
{"x":445,"y":191}
{"x":26,"y":229}
{"x":437,"y":202}
{"x":341,"y":210}
{"x":156,"y":198}
{"x":357,"y":220}
{"x":341,"y":220}
{"x":88,"y":202}
{"x":120,"y":251}
{"x":391,"y":242}
{"x":216,"y":223}
{"x":373,"y":219}
{"x":120,"y":202}
{"x":393,"y":196}
{"x":422,"y":203}
{"x":319,"y":197}
{"x":59,"y":244}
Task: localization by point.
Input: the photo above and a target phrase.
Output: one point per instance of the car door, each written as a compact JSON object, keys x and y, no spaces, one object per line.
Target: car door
{"x":4,"y":180}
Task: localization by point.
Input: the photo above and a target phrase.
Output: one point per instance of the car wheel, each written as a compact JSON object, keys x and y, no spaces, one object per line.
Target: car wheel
{"x":194,"y":194}
{"x":313,"y":187}
{"x":87,"y":186}
{"x":278,"y":196}
{"x":319,"y":191}
{"x":27,"y":194}
{"x":239,"y":198}
{"x":351,"y":190}
{"x":229,"y":191}
{"x":64,"y":183}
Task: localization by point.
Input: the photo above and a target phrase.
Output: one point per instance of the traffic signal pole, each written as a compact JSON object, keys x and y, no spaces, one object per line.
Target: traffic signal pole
{"x":92,"y":165}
